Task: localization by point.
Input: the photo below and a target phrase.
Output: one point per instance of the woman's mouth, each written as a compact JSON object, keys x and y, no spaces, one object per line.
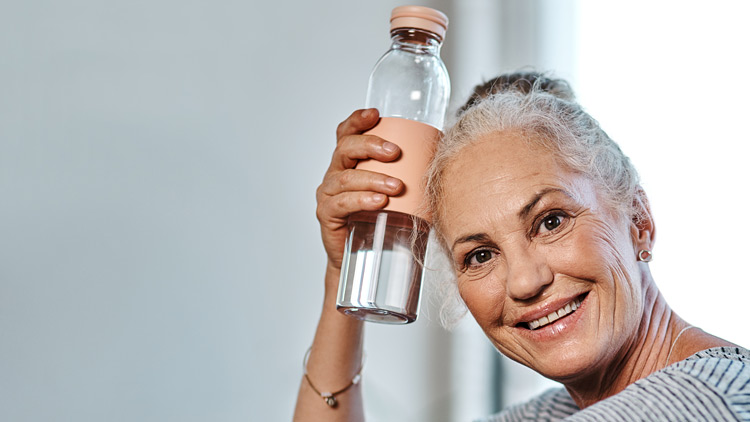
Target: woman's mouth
{"x":553,"y":316}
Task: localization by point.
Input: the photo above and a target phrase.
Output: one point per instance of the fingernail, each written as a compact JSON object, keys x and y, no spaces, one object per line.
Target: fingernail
{"x":390,"y":147}
{"x":392,"y":183}
{"x":366,"y":114}
{"x":378,"y":198}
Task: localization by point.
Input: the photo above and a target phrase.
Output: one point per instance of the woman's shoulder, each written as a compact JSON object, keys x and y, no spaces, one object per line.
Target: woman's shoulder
{"x":713,"y":384}
{"x":553,"y":405}
{"x":739,"y":354}
{"x":725,"y":370}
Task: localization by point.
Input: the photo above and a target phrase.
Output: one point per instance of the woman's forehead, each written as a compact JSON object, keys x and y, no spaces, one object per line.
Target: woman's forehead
{"x":502,"y":155}
{"x":501,"y":174}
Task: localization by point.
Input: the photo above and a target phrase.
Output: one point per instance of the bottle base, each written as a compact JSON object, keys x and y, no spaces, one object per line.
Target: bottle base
{"x":380,"y":315}
{"x":381,"y":276}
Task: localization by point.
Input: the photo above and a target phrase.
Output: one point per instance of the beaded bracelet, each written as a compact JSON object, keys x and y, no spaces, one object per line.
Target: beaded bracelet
{"x":330,"y":398}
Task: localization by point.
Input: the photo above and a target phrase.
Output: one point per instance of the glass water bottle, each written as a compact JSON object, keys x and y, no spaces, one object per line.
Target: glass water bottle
{"x":381,"y":276}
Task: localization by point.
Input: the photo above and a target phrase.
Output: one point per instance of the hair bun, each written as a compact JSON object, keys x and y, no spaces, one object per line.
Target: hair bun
{"x":522,"y":82}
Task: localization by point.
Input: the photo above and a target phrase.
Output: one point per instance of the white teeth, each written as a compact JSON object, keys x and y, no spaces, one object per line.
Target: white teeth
{"x":555,"y":315}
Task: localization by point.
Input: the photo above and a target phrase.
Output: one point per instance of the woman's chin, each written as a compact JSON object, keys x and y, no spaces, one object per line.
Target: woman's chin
{"x":566,"y":367}
{"x":564,"y":362}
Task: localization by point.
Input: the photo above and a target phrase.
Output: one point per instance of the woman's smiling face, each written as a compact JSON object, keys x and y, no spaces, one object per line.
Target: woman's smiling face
{"x":546,"y":268}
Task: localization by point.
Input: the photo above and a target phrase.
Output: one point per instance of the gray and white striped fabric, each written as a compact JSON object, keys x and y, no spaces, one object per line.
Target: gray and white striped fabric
{"x":712,"y":385}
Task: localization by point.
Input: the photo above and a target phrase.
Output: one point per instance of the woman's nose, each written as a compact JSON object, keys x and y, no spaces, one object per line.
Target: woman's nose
{"x":528,"y":274}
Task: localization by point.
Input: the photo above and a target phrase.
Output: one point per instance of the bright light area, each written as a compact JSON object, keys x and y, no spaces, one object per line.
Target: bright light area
{"x":670,"y":82}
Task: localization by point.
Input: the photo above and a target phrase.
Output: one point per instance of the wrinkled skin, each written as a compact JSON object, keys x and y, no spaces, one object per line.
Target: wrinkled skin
{"x":514,"y":266}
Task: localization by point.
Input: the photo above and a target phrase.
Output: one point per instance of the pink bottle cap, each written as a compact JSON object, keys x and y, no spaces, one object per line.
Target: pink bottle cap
{"x":420,"y":17}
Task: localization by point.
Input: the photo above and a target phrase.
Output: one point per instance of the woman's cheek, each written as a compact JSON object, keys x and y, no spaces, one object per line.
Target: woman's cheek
{"x":588,"y":253}
{"x":485,"y":297}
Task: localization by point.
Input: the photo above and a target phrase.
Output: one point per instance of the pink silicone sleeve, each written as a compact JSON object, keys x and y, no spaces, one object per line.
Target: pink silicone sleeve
{"x":417,"y":142}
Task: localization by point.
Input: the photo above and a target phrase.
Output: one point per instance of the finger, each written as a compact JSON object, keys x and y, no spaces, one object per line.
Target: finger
{"x":339,"y":207}
{"x":354,"y":148}
{"x":359,"y":180}
{"x":357,"y":122}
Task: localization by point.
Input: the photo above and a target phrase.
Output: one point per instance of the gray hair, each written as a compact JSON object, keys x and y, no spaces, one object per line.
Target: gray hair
{"x":544,"y":110}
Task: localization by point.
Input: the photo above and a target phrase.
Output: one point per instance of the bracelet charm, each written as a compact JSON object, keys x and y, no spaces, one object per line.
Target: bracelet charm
{"x":330,"y":400}
{"x":328,"y":397}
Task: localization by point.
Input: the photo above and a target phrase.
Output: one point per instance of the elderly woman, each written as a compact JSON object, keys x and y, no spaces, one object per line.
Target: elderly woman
{"x":550,"y":236}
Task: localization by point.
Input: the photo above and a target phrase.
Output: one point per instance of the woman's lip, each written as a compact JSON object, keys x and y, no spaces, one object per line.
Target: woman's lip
{"x":546,"y":309}
{"x":561,"y":328}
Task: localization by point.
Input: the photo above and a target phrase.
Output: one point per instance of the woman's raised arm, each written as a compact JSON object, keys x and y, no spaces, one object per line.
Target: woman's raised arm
{"x":336,"y":354}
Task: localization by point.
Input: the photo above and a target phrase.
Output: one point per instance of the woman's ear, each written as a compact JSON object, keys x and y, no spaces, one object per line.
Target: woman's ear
{"x":643,"y":228}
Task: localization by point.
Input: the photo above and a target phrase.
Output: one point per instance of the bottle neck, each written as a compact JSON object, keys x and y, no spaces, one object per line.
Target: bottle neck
{"x":415,"y":41}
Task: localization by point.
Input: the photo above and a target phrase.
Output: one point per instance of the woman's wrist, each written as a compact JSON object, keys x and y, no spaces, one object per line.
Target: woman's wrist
{"x":329,"y":312}
{"x":332,"y":276}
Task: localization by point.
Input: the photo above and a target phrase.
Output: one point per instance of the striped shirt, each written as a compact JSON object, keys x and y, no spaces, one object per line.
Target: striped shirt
{"x":711,"y":385}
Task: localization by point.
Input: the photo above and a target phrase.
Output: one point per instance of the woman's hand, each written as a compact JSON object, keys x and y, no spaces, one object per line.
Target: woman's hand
{"x":346,"y":190}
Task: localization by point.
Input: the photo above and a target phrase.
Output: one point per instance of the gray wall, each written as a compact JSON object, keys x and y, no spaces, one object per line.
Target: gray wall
{"x":159,"y":253}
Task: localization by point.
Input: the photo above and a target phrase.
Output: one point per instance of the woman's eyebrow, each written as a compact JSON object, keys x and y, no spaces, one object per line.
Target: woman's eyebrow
{"x":483,"y":237}
{"x":530,"y":205}
{"x":477,"y":237}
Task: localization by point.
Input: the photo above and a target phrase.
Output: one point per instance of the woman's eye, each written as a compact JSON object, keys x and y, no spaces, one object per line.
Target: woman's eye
{"x":479,"y":257}
{"x":550,"y":223}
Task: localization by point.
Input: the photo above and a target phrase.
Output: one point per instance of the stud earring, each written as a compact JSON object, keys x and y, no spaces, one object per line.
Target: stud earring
{"x":645,"y":255}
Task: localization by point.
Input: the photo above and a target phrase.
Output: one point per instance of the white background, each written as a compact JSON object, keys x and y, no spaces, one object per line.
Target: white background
{"x":669,"y":82}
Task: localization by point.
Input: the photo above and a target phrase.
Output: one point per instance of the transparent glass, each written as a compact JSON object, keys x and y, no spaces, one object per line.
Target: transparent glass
{"x":410,"y":80}
{"x":381,"y":280}
{"x":381,"y":277}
